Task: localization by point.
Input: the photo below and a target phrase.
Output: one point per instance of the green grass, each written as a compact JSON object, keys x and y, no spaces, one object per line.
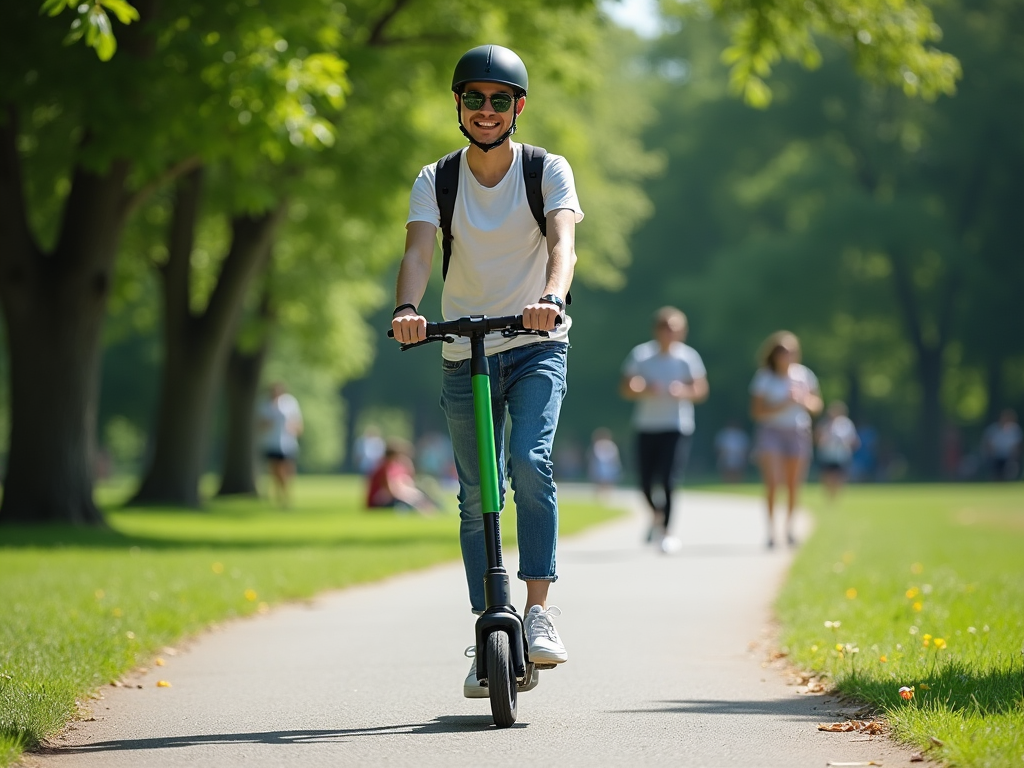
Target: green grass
{"x":927,"y":585}
{"x":82,"y":607}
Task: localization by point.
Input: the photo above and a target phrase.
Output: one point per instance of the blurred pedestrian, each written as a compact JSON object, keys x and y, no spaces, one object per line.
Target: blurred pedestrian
{"x":864,"y":467}
{"x":732,"y":446}
{"x":837,"y":439}
{"x":281,"y":423}
{"x":568,"y":458}
{"x":392,"y":484}
{"x":368,"y":450}
{"x":435,"y":456}
{"x":604,"y":465}
{"x":1000,"y":444}
{"x":664,"y":377}
{"x":784,"y":397}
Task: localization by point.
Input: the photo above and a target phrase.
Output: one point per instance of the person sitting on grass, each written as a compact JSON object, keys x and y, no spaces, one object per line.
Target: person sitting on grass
{"x":392,"y":484}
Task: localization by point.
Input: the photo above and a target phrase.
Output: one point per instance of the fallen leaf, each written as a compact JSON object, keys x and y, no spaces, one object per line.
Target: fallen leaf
{"x":917,"y":757}
{"x":872,"y":727}
{"x":159,"y":662}
{"x":161,"y":684}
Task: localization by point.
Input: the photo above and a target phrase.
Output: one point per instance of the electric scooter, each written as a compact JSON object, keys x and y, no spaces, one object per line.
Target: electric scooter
{"x":501,"y":658}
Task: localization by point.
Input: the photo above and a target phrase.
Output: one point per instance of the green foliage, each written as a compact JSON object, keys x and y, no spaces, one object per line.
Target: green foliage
{"x":804,"y":215}
{"x":888,"y":40}
{"x":919,"y":587}
{"x":83,"y":607}
{"x":93,"y":23}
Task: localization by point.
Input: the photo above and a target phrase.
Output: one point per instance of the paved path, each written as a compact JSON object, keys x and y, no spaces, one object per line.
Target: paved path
{"x":661,"y":672}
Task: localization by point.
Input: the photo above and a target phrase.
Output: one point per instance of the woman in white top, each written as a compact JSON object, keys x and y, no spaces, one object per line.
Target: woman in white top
{"x":783,"y":398}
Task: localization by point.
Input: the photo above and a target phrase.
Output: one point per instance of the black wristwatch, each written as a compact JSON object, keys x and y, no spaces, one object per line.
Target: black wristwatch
{"x":552,"y":298}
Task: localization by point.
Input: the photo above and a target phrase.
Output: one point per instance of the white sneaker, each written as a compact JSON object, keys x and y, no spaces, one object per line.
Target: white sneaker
{"x":670,"y":545}
{"x":545,"y":646}
{"x":473,"y":688}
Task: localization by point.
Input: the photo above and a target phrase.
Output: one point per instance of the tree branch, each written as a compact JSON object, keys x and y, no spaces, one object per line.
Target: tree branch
{"x":251,"y":241}
{"x":387,"y":42}
{"x":133,"y":201}
{"x":377,"y":33}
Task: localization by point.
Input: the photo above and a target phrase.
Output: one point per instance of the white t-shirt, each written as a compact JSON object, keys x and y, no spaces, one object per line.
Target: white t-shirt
{"x":836,"y":440}
{"x":282,"y":419}
{"x":1002,"y":440}
{"x":662,"y":412}
{"x":774,"y":389}
{"x":499,"y":257}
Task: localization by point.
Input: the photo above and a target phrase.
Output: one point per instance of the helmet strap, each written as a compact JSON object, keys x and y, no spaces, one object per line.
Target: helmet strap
{"x":501,"y":139}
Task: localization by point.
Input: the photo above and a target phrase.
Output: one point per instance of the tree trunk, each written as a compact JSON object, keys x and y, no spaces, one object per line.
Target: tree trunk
{"x":242,"y":385}
{"x":54,"y":350}
{"x":353,"y":396}
{"x":928,"y":365}
{"x":930,"y":421}
{"x":854,"y":401}
{"x":994,"y":387}
{"x":54,"y":305}
{"x":196,"y":347}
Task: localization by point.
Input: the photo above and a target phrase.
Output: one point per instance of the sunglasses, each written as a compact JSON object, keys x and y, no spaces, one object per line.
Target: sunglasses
{"x":500,"y":102}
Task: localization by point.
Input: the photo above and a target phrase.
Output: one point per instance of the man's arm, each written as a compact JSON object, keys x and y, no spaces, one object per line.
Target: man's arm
{"x":697,"y":391}
{"x":408,"y":324}
{"x":561,"y":226}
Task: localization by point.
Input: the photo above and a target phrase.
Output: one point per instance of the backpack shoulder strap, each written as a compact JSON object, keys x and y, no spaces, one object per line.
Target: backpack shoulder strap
{"x":446,"y":187}
{"x":533,"y":175}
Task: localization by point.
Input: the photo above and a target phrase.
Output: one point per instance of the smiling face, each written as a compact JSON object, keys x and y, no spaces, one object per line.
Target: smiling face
{"x":485,"y":124}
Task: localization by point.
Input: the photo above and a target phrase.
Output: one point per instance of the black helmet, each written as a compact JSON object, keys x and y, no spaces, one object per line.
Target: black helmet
{"x":491,"y":64}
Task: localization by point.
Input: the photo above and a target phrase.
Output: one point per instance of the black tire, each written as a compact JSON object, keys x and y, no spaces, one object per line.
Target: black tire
{"x":501,"y":680}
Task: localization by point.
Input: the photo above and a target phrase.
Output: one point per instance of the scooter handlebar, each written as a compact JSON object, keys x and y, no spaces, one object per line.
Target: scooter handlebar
{"x":473,"y":324}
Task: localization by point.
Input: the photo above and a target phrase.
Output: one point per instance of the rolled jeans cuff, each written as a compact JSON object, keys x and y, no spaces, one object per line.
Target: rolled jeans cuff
{"x":522,"y":577}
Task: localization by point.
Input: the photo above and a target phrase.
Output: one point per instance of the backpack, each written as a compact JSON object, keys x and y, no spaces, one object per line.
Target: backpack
{"x":446,"y":188}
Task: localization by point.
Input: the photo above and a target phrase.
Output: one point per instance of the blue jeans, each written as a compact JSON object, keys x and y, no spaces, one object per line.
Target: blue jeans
{"x":529,"y":382}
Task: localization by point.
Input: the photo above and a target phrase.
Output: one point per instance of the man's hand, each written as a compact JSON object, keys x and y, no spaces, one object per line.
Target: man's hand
{"x":409,"y":327}
{"x":540,"y":316}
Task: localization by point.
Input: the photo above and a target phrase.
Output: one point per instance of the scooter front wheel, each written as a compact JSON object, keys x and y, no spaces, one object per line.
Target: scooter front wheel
{"x":501,"y":680}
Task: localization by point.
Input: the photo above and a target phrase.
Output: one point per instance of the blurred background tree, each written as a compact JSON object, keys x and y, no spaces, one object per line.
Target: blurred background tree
{"x":877,"y":227}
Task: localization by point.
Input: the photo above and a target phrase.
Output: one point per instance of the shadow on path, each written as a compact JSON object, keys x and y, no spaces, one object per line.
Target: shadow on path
{"x":440,"y":725}
{"x":804,"y":708}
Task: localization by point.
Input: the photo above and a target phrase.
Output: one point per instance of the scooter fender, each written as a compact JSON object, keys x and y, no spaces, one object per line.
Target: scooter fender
{"x":502,"y":619}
